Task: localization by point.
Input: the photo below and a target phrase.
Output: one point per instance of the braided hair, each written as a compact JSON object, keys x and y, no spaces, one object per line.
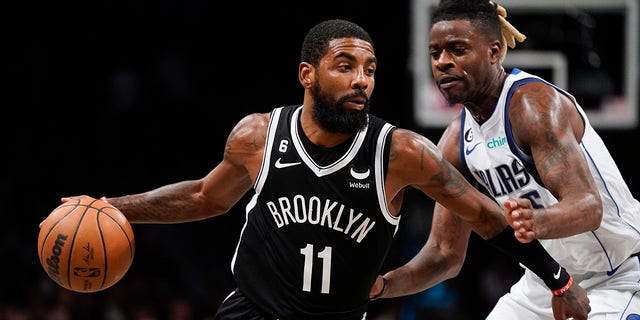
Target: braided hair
{"x":483,"y":14}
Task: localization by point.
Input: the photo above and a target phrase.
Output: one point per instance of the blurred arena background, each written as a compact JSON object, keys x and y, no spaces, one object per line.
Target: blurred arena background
{"x":108,"y":98}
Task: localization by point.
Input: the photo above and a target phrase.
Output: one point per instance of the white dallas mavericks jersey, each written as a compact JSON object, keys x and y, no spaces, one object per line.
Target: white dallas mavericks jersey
{"x":490,"y":154}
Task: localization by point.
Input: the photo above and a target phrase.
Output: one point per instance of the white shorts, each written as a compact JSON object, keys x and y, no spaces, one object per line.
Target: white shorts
{"x":611,"y":297}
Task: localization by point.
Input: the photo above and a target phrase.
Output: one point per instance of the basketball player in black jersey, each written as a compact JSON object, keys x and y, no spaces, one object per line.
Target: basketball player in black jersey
{"x":328,"y":180}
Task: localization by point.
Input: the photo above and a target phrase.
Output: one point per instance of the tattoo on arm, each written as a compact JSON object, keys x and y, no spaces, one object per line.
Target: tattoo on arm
{"x":169,"y":203}
{"x":452,"y":182}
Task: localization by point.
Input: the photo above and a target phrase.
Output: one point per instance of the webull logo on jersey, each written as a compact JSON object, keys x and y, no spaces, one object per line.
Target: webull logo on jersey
{"x":505,"y":178}
{"x":360,"y":178}
{"x":359,"y":185}
{"x":326,"y":213}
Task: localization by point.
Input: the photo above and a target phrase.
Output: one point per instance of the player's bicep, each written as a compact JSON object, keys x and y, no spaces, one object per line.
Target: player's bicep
{"x":236,"y":173}
{"x":554,"y":129}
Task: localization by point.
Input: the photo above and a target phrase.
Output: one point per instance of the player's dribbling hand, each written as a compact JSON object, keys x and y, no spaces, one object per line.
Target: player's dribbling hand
{"x":519,"y":215}
{"x":574,"y":303}
{"x":64,"y":200}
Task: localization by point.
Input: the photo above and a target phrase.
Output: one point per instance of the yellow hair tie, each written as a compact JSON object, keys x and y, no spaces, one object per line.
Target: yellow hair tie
{"x":509,"y":33}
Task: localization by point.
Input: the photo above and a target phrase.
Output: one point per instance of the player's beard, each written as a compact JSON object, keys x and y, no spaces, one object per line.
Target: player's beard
{"x":333,"y":116}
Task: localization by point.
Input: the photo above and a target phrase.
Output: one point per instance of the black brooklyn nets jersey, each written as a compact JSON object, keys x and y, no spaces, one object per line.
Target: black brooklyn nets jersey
{"x":318,"y":228}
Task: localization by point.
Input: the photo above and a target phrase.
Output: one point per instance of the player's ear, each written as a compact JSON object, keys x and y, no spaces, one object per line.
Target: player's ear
{"x":496,"y":51}
{"x":306,"y":74}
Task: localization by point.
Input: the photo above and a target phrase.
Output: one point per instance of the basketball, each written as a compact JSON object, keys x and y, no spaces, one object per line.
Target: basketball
{"x":86,"y":245}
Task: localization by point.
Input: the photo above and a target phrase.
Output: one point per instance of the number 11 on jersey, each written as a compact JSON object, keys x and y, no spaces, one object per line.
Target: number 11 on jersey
{"x":325,"y":255}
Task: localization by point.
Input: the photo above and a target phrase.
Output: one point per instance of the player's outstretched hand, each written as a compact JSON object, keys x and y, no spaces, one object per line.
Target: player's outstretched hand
{"x":519,"y":215}
{"x":574,"y":303}
{"x":64,"y":200}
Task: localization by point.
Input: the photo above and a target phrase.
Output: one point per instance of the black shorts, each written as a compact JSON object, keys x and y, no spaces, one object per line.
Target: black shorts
{"x":236,"y":306}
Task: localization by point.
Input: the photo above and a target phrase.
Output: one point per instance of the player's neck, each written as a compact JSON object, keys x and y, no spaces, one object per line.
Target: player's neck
{"x":481,"y":110}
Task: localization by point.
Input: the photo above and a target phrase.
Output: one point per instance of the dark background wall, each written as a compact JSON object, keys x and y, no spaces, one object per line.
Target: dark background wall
{"x":118,"y":97}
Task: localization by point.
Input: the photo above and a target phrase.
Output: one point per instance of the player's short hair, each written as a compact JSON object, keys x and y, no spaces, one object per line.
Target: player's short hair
{"x":316,"y":43}
{"x":486,"y":16}
{"x":482,"y":14}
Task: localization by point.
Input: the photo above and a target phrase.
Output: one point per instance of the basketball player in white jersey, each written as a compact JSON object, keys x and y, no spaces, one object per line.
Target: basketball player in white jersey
{"x":528,"y":144}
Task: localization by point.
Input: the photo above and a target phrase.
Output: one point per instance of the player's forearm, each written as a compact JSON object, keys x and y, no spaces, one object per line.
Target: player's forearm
{"x":568,"y":217}
{"x":535,"y":257}
{"x":441,"y":258}
{"x":174,"y":203}
{"x":483,"y":214}
{"x":424,"y":271}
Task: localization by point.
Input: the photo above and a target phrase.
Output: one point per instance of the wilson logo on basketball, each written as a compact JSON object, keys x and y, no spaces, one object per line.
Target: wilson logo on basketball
{"x":53,"y":262}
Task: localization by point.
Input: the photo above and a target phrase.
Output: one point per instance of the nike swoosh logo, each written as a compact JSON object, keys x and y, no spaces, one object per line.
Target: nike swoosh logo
{"x":281,"y":165}
{"x":468,"y":151}
{"x":557,"y":275}
{"x":360,"y":175}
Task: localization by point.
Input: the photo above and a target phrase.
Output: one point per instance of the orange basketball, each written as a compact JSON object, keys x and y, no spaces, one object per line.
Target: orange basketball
{"x":86,"y":245}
